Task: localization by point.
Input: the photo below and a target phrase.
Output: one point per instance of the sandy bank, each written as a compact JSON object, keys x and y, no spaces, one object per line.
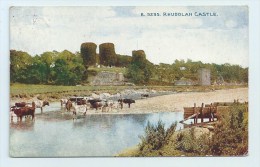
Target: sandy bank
{"x":176,"y":102}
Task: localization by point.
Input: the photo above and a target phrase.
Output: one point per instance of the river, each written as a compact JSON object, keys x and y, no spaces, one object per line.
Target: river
{"x":55,"y":134}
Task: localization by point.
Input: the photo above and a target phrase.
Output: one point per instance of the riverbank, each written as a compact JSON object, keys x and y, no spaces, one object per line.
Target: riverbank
{"x":197,"y":132}
{"x":224,"y":137}
{"x":55,"y":92}
{"x":174,"y":101}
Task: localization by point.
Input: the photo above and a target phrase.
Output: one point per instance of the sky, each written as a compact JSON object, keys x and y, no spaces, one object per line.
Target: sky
{"x":210,"y":39}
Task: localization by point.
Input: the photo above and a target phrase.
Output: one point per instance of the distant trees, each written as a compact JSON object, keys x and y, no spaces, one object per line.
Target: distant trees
{"x":140,"y":69}
{"x":64,"y":68}
{"x":189,"y":70}
{"x":19,"y":61}
{"x":68,"y":69}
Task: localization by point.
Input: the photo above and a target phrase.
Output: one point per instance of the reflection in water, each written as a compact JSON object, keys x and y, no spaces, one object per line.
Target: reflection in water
{"x":92,"y":135}
{"x":26,"y":125}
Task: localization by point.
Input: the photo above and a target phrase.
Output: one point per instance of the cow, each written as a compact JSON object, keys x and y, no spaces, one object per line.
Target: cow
{"x":95,"y":103}
{"x":68,"y":105}
{"x":78,"y":109}
{"x":40,"y":104}
{"x":21,"y":104}
{"x":145,"y":95}
{"x":102,"y":104}
{"x":25,"y":111}
{"x":82,"y":102}
{"x":127,"y":101}
{"x":63,"y":101}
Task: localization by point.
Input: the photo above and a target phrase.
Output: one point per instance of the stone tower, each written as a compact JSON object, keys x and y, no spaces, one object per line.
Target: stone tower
{"x":204,"y":77}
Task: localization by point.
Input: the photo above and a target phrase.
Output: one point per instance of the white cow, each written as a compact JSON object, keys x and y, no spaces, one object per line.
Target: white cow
{"x":40,"y":104}
{"x":63,"y":101}
{"x":76,"y":109}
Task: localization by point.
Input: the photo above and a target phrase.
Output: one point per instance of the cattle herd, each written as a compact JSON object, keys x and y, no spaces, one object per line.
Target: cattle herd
{"x":82,"y":104}
{"x":75,"y":105}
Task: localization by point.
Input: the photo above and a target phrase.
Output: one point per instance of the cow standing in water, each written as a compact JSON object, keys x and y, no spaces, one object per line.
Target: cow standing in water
{"x":127,"y":101}
{"x":68,"y":105}
{"x":63,"y":101}
{"x":25,"y":111}
{"x":40,"y":104}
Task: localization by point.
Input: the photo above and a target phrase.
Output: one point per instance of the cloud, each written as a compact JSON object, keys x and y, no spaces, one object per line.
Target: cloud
{"x":230,"y":23}
{"x":210,"y":39}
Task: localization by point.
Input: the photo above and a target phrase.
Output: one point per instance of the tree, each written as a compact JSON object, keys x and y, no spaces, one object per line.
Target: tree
{"x":231,"y":133}
{"x":48,"y":58}
{"x":37,"y":72}
{"x":66,"y":73}
{"x":68,"y":69}
{"x":140,"y":71}
{"x":19,"y":62}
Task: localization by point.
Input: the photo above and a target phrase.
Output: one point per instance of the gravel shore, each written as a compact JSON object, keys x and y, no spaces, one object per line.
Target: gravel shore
{"x":169,"y":101}
{"x":176,"y":102}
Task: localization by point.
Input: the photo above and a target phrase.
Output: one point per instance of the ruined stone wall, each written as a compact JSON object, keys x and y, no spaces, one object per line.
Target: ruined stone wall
{"x":108,"y":78}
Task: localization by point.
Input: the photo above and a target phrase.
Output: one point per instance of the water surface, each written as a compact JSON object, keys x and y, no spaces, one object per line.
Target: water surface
{"x":56,"y":135}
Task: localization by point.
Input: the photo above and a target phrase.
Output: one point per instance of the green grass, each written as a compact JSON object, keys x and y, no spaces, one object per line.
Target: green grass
{"x":30,"y":89}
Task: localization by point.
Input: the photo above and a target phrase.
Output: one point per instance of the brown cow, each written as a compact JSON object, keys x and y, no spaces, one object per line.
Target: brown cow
{"x":127,"y":101}
{"x":24,"y":111}
{"x":21,"y":104}
{"x":68,"y":105}
{"x":82,"y":102}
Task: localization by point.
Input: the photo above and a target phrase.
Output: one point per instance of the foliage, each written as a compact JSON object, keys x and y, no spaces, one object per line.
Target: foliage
{"x":39,"y":69}
{"x":141,"y":70}
{"x":229,"y":138}
{"x":107,"y":54}
{"x":19,"y":62}
{"x":64,"y":68}
{"x":189,"y":70}
{"x":155,"y":137}
{"x":88,"y":53}
{"x":123,"y":60}
{"x":231,"y":134}
{"x":189,"y":143}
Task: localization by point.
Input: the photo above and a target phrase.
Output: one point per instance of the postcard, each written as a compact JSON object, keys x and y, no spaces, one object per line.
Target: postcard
{"x":129,"y":81}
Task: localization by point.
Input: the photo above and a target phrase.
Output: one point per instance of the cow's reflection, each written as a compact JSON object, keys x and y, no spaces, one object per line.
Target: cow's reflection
{"x":27,"y":125}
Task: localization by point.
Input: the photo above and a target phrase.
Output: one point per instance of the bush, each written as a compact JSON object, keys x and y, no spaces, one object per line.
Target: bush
{"x":155,"y":137}
{"x":231,"y":133}
{"x":188,"y":142}
{"x":230,"y":137}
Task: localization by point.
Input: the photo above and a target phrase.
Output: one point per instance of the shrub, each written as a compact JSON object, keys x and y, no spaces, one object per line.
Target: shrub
{"x":231,"y":133}
{"x":155,"y":137}
{"x":188,"y":142}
